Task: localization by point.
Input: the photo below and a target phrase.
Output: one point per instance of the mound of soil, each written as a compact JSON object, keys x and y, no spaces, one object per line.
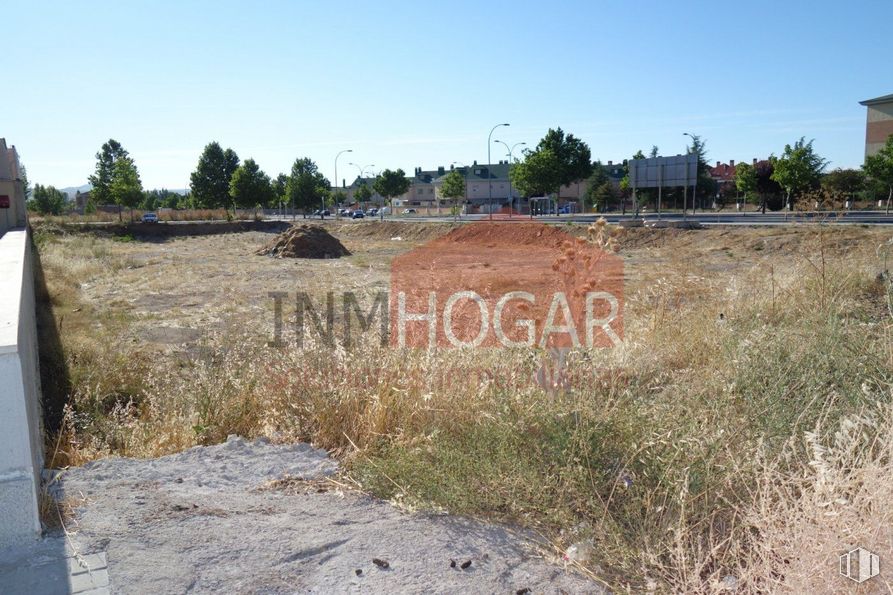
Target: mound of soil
{"x":508,"y":234}
{"x":405,"y":230}
{"x":305,"y":241}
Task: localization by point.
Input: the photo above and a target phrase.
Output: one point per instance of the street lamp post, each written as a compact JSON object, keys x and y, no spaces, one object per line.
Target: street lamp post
{"x":510,"y":155}
{"x":322,"y":213}
{"x":489,"y":168}
{"x":362,"y":169}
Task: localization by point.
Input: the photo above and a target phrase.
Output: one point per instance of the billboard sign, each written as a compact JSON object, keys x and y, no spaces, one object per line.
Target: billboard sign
{"x":656,"y":172}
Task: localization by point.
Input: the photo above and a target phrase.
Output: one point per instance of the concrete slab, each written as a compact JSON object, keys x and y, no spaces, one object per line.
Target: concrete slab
{"x":50,"y":567}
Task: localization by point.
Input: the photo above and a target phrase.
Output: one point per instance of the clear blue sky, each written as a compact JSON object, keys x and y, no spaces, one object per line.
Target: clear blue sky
{"x":408,"y":84}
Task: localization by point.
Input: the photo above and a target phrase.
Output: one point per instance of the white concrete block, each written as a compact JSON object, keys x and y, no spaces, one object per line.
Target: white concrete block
{"x":21,"y":457}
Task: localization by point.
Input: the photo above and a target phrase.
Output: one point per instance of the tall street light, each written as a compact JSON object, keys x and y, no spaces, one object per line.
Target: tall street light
{"x":490,"y":167}
{"x":511,"y":157}
{"x":362,"y":169}
{"x":336,"y":178}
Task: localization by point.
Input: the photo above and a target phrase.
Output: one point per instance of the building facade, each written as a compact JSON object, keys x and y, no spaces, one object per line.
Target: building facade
{"x":486,"y":187}
{"x":12,"y":190}
{"x":878,"y":123}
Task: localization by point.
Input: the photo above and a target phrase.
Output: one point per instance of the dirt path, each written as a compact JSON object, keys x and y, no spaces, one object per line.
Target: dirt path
{"x":202,"y":521}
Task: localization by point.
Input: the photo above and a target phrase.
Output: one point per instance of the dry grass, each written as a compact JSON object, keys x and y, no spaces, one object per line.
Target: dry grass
{"x":741,"y":435}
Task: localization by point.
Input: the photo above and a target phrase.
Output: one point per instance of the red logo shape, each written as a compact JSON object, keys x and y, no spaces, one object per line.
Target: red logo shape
{"x":508,"y":285}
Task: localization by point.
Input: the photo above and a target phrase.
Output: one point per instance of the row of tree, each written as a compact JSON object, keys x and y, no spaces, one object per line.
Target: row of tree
{"x":220,"y":180}
{"x":799,"y":174}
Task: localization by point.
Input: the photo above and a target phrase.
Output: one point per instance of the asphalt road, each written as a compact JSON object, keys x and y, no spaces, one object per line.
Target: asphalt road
{"x":705,"y":218}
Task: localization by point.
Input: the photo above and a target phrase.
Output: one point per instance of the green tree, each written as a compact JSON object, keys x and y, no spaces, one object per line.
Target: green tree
{"x":538,"y":174}
{"x":844,"y":183}
{"x":150,"y":201}
{"x":879,"y":167}
{"x":706,"y":186}
{"x":172,"y":200}
{"x":210,"y":180}
{"x":363,"y":194}
{"x":23,"y":173}
{"x":601,"y":196}
{"x":126,"y":187}
{"x":339,"y":197}
{"x":164,"y":198}
{"x":101,"y":180}
{"x":745,"y":180}
{"x":453,"y":186}
{"x":572,"y":157}
{"x":626,"y":186}
{"x":46,"y":200}
{"x":599,"y":189}
{"x":798,"y":170}
{"x":306,"y":188}
{"x":279,"y":185}
{"x":250,"y":188}
{"x":655,"y":152}
{"x":390,"y":184}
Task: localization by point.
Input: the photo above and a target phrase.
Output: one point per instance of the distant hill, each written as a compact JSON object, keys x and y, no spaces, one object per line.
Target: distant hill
{"x":71,"y":191}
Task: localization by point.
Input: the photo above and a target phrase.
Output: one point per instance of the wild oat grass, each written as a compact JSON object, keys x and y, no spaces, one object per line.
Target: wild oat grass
{"x":740,"y":439}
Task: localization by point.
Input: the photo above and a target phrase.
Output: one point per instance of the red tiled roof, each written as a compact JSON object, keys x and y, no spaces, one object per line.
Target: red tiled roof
{"x":723,"y":171}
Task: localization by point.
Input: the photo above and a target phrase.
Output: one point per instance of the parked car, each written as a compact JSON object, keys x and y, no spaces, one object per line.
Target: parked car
{"x":325,"y":213}
{"x":372,"y":212}
{"x":357,"y":215}
{"x":150,"y":218}
{"x":409,"y":211}
{"x":344,"y":212}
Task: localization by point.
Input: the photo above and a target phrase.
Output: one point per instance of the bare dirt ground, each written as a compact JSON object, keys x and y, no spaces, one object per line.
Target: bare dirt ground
{"x":209,"y":520}
{"x":214,"y":519}
{"x":177,"y":290}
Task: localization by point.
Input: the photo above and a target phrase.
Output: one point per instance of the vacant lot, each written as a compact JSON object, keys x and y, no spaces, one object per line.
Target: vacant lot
{"x":740,"y":436}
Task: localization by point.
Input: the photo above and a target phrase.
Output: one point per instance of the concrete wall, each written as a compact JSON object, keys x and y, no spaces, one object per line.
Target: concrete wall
{"x":11,"y":186}
{"x":878,"y":127}
{"x":21,"y":448}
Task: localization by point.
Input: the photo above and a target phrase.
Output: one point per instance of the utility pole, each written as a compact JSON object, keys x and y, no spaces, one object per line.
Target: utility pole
{"x":510,"y":155}
{"x":322,"y":212}
{"x":490,"y":168}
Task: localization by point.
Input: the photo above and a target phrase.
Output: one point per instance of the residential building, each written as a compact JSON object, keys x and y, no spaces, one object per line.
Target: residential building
{"x":12,"y":191}
{"x":724,"y":176}
{"x":483,"y":185}
{"x":81,"y":200}
{"x":482,"y":182}
{"x":350,"y":191}
{"x":878,"y":122}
